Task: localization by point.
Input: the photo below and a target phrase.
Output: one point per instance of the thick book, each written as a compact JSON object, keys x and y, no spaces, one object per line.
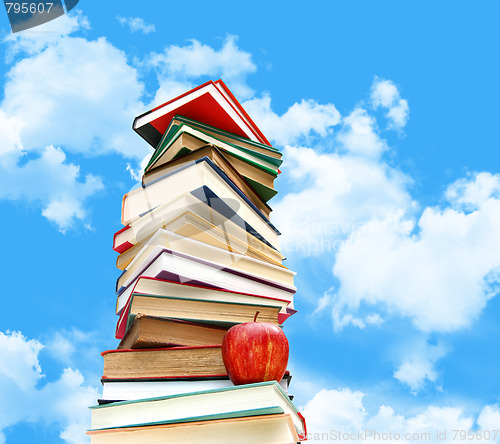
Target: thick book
{"x":167,"y":213}
{"x":151,"y":331}
{"x":220,"y":134}
{"x":205,"y":181}
{"x":241,"y":428}
{"x":162,"y":216}
{"x":211,"y":312}
{"x":256,"y":184}
{"x":263,"y":397}
{"x":151,"y":287}
{"x":221,"y":234}
{"x":185,"y":139}
{"x":114,"y":390}
{"x":180,"y":267}
{"x":163,"y":362}
{"x":168,"y":240}
{"x":211,"y":103}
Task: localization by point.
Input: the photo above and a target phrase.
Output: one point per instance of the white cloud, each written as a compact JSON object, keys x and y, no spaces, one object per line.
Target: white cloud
{"x":439,"y":271}
{"x":135,"y":174}
{"x":177,"y":66}
{"x":137,"y":171}
{"x":418,"y":363}
{"x":51,"y":182}
{"x":78,"y":94}
{"x":474,"y":191}
{"x":398,"y":114}
{"x":437,"y":268}
{"x":332,"y":195}
{"x":300,"y":120}
{"x":385,"y":94}
{"x":63,"y":402}
{"x":359,"y":135}
{"x":33,"y":41}
{"x":323,"y":302}
{"x":58,"y":91}
{"x":72,"y":347}
{"x":64,"y":94}
{"x":168,"y":89}
{"x":342,"y":408}
{"x":489,"y":419}
{"x":24,"y":370}
{"x":10,"y":139}
{"x":137,"y":24}
{"x":340,"y":415}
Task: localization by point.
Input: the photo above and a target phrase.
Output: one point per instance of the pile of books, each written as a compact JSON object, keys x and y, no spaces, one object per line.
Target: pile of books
{"x":198,"y":255}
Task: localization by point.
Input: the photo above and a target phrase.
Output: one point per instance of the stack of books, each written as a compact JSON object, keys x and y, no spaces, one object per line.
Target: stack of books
{"x":198,"y":255}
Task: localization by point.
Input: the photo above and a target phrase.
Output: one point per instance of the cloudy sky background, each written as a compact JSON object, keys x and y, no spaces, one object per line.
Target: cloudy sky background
{"x":389,"y":201}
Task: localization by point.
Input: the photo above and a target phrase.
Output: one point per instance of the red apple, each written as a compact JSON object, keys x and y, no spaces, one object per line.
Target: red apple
{"x":255,"y":352}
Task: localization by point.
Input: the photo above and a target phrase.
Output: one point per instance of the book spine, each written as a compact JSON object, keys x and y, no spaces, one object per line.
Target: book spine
{"x":146,"y":350}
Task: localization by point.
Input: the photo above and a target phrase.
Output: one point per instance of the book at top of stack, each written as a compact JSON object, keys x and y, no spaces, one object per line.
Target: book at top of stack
{"x":211,"y":103}
{"x":198,"y":254}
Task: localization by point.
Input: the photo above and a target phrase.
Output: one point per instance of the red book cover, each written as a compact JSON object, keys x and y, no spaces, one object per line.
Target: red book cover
{"x":125,"y":245}
{"x":211,"y":103}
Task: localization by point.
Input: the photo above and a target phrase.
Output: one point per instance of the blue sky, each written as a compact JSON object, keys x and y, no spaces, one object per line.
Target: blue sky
{"x":389,"y":201}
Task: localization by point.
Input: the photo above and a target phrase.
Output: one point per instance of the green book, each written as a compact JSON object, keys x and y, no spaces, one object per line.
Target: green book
{"x":250,"y":399}
{"x":259,"y":160}
{"x":213,"y":312}
{"x":221,"y":134}
{"x":267,"y":193}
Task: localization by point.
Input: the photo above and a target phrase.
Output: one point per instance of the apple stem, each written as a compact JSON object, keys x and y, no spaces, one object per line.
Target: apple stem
{"x":256,"y":314}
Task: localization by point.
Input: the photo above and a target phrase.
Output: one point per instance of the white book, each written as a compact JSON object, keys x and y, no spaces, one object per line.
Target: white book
{"x":158,"y":288}
{"x":118,"y":390}
{"x":199,"y":177}
{"x":176,"y":213}
{"x":223,"y":257}
{"x":184,"y":268}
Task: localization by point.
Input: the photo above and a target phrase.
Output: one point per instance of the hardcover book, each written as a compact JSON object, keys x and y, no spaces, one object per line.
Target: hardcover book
{"x":211,"y":103}
{"x":152,"y":287}
{"x":156,"y":332}
{"x":164,"y":240}
{"x":173,"y":147}
{"x":220,"y":134}
{"x":210,"y":312}
{"x":255,"y":183}
{"x":201,"y":178}
{"x":260,"y":397}
{"x":163,"y":362}
{"x":224,"y":234}
{"x":179,"y":267}
{"x":114,"y":390}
